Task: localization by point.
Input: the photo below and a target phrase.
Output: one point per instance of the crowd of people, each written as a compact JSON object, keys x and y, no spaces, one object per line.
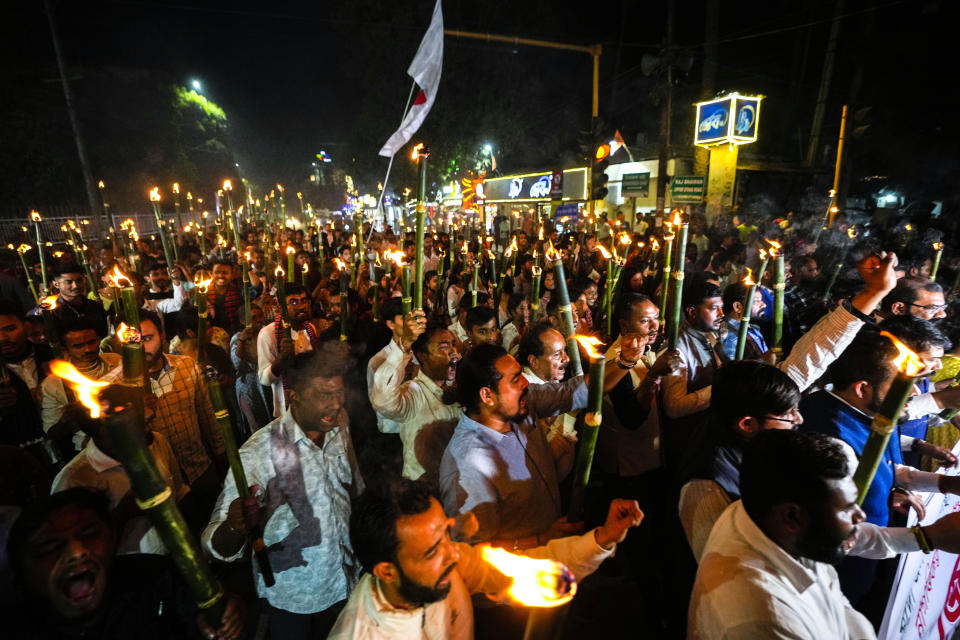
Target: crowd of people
{"x":384,"y":449}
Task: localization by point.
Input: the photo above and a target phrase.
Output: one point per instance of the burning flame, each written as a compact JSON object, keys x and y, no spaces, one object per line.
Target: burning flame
{"x":246,"y":254}
{"x":290,"y":250}
{"x":603,"y":251}
{"x":87,"y":390}
{"x":220,"y":241}
{"x":279,"y":272}
{"x":465,"y":249}
{"x":909,"y":227}
{"x":377,"y":262}
{"x":155,"y":194}
{"x":100,"y":184}
{"x":540,"y":233}
{"x":774,"y":248}
{"x":35,"y":216}
{"x":23,"y":248}
{"x":227,"y":185}
{"x":748,"y":281}
{"x":49,"y":303}
{"x":397,"y":257}
{"x":654,"y":245}
{"x":341,"y":266}
{"x":176,"y":187}
{"x":763,"y":254}
{"x":590,"y":344}
{"x":852,"y":233}
{"x":536,"y":583}
{"x":353,"y":239}
{"x":551,"y":254}
{"x":625,"y":238}
{"x":677,"y":221}
{"x":202,"y":284}
{"x":117,"y":279}
{"x":415,"y":152}
{"x":938,"y":246}
{"x":906,"y":361}
{"x":128,"y":334}
{"x":59,"y":254}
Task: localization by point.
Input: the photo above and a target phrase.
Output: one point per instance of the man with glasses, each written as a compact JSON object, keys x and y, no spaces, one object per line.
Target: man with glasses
{"x":276,"y":346}
{"x":917,"y":297}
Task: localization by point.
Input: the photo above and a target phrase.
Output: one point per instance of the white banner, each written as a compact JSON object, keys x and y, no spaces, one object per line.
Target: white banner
{"x":925,"y":601}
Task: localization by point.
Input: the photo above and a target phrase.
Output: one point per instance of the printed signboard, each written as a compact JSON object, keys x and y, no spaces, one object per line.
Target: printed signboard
{"x":732,"y":119}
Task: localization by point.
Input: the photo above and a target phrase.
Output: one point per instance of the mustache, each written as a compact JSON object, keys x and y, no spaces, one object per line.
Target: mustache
{"x":446,"y":573}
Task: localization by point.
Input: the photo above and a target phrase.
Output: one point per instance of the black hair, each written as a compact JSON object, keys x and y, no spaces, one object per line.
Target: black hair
{"x":698,"y":292}
{"x":790,"y":466}
{"x":66,"y":267}
{"x":866,"y":358}
{"x":295,"y":289}
{"x":916,"y":333}
{"x":10,"y":308}
{"x":478,"y":315}
{"x":531,"y":343}
{"x":749,"y":388}
{"x":624,"y":308}
{"x":514,"y":301}
{"x":907,"y":292}
{"x":735,"y":292}
{"x":374,"y":517}
{"x":76,"y":324}
{"x":150,"y":316}
{"x":187,"y":320}
{"x":330,"y":360}
{"x":36,"y":512}
{"x":391,"y":308}
{"x":476,"y":371}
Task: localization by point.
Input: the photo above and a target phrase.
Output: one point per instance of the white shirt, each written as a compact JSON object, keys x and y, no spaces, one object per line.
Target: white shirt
{"x":384,"y":424}
{"x":93,"y":468}
{"x":748,"y":587}
{"x":306,"y":502}
{"x":368,"y":615}
{"x":53,"y":395}
{"x":416,"y":406}
{"x":267,"y":352}
{"x":458,"y":331}
{"x":168,"y":305}
{"x":563,"y":424}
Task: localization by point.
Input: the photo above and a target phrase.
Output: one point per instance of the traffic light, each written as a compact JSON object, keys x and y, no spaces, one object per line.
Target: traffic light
{"x":599,"y":163}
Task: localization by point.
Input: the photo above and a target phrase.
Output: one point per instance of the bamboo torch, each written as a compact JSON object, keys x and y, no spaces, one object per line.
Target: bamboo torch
{"x":202,"y":281}
{"x":592,"y":420}
{"x":668,"y":236}
{"x":676,"y":300}
{"x":291,"y":253}
{"x":405,"y":301}
{"x":344,"y":270}
{"x":885,"y":420}
{"x":778,"y":289}
{"x":21,"y":251}
{"x":155,"y":201}
{"x":420,"y":154}
{"x":47,"y":305}
{"x":151,"y":493}
{"x":35,"y":217}
{"x":555,"y":261}
{"x":938,"y":247}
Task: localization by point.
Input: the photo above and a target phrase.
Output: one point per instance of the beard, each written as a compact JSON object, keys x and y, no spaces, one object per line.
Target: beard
{"x":420,"y":595}
{"x":824,"y":545}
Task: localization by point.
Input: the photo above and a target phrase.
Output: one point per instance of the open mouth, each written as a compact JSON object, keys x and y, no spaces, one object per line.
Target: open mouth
{"x":80,"y":586}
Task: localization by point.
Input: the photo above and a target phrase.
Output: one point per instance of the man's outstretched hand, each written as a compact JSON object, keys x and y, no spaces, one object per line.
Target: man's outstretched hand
{"x":623,"y":514}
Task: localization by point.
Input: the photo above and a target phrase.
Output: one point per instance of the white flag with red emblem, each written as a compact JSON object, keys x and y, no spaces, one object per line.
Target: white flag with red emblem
{"x":425,"y":71}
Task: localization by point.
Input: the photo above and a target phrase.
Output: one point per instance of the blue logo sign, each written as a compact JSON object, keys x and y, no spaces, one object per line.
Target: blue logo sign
{"x":714,"y":122}
{"x":541,"y":188}
{"x":732,"y":119}
{"x":516,"y":187}
{"x":746,"y":122}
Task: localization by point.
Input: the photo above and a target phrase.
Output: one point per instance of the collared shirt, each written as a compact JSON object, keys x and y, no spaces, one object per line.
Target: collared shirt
{"x":731,"y":336}
{"x":384,"y":424}
{"x":306,"y":497}
{"x":268,"y":352}
{"x":749,"y":587}
{"x":54,"y":395}
{"x":255,"y":407}
{"x":458,"y":331}
{"x":93,"y":468}
{"x":417,"y":407}
{"x":563,"y":424}
{"x":184,"y":415}
{"x":369,"y":616}
{"x":508,"y":480}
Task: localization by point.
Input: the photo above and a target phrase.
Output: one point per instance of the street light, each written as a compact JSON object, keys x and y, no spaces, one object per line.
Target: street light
{"x":488,"y":149}
{"x":195,"y":84}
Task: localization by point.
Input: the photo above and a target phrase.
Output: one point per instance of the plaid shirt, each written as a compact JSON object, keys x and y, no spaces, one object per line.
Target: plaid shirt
{"x":184,"y":415}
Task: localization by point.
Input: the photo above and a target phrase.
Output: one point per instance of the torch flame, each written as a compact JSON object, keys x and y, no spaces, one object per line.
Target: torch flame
{"x":540,"y":233}
{"x":551,"y":254}
{"x":290,"y":250}
{"x":677,"y":221}
{"x":654,"y":245}
{"x":763,"y":254}
{"x":87,"y":390}
{"x":279,"y":272}
{"x":852,"y":233}
{"x":35,"y":216}
{"x":590,"y":344}
{"x":377,"y":262}
{"x":155,"y":194}
{"x":603,"y":251}
{"x":202,"y":283}
{"x":625,"y":238}
{"x":938,"y":246}
{"x":774,"y":247}
{"x":128,"y":334}
{"x":100,"y":184}
{"x":227,"y":185}
{"x":748,"y":281}
{"x":536,"y":583}
{"x":397,"y":256}
{"x":306,"y":268}
{"x":117,"y":279}
{"x":23,"y":248}
{"x":176,"y":187}
{"x":246,"y":255}
{"x":340,"y":264}
{"x":49,"y":303}
{"x":465,"y":249}
{"x":415,"y":152}
{"x":906,"y":361}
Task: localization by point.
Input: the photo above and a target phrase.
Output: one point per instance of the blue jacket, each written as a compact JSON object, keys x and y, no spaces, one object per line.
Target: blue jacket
{"x":828,"y":414}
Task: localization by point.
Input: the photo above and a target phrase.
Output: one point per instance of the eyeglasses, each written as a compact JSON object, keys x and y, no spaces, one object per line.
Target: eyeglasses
{"x":794,"y":420}
{"x":935,"y":308}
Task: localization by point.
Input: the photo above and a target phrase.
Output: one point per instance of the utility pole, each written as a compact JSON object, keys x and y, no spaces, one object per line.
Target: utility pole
{"x":665,"y":113}
{"x":825,"y":77}
{"x":708,"y":78}
{"x":92,"y":198}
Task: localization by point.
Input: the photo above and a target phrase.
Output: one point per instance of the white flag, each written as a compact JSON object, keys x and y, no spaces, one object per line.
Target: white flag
{"x":425,"y":70}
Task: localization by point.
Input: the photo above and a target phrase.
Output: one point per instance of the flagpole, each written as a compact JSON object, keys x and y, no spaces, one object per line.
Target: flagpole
{"x":413,"y":85}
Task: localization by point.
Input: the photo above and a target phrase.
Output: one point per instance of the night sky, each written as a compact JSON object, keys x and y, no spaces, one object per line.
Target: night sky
{"x":298,"y":77}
